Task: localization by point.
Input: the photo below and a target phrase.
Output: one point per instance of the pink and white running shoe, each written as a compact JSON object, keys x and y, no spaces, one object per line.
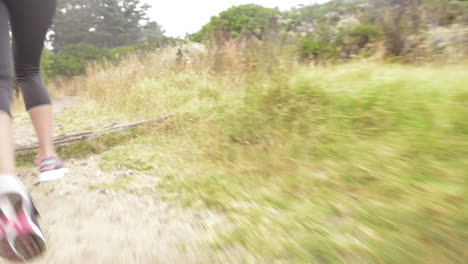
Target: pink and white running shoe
{"x":50,"y":169}
{"x":21,"y":238}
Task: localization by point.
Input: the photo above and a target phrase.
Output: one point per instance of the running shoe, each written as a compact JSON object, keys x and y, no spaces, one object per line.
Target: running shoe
{"x":50,"y":169}
{"x":21,"y":238}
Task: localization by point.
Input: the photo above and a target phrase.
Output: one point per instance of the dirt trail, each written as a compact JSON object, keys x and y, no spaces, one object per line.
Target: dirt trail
{"x":24,"y":131}
{"x":95,"y":225}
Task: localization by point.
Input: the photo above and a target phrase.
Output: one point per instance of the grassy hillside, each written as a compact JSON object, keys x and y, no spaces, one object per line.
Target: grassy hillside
{"x":356,"y":163}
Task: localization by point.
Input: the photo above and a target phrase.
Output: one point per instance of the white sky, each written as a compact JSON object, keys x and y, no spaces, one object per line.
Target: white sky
{"x":178,"y":17}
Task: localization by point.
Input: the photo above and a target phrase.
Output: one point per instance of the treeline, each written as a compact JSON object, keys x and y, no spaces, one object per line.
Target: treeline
{"x":342,"y":29}
{"x":73,"y":59}
{"x":90,"y":30}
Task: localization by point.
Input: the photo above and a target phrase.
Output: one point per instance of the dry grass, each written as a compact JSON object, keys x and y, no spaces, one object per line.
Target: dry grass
{"x":354,"y":163}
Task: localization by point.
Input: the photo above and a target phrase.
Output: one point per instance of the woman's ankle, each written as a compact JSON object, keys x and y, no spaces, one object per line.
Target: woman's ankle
{"x":46,"y":154}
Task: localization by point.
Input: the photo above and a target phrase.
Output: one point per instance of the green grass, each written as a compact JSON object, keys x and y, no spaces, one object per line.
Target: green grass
{"x":357,"y":163}
{"x":83,"y":149}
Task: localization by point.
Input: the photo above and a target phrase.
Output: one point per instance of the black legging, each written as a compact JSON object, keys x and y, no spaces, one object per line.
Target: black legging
{"x":29,"y":22}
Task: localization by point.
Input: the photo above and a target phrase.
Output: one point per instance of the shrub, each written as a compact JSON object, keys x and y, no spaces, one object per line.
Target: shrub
{"x":250,"y":18}
{"x":311,"y":49}
{"x":365,"y":33}
{"x":72,"y":60}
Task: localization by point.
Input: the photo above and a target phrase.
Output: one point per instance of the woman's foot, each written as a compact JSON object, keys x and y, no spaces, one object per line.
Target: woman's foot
{"x":50,"y":169}
{"x":21,"y":238}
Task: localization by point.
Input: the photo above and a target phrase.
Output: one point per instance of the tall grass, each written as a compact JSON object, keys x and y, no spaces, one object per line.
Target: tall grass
{"x":355,"y":163}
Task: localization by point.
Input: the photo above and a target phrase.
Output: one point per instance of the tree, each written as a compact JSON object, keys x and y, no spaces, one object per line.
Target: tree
{"x":102,"y":23}
{"x":250,"y":18}
{"x":152,"y":31}
{"x":72,"y":24}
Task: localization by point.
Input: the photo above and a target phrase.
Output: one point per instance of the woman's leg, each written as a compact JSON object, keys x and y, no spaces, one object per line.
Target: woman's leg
{"x":7,"y":166}
{"x":7,"y":162}
{"x":20,"y":236}
{"x":42,"y":119}
{"x":30,"y":20}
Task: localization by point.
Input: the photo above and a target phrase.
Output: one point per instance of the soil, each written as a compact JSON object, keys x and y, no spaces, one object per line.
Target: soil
{"x":86,"y":223}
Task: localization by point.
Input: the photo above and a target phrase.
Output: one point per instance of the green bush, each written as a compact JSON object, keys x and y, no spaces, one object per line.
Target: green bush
{"x":116,"y":54}
{"x":365,"y":33}
{"x":46,"y":63}
{"x":250,"y":18}
{"x":317,"y":49}
{"x":72,"y":60}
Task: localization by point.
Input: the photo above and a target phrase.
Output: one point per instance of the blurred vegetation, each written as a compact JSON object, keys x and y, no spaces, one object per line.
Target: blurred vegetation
{"x":102,"y":23}
{"x":348,"y":40}
{"x":340,"y":29}
{"x":310,"y":160}
{"x":85,"y":31}
{"x":247,"y":19}
{"x":73,"y":59}
{"x":352,"y":163}
{"x":336,"y":31}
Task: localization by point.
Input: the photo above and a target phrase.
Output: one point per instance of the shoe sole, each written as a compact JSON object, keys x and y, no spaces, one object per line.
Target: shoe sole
{"x":25,"y":248}
{"x":52,"y":175}
{"x":26,"y":242}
